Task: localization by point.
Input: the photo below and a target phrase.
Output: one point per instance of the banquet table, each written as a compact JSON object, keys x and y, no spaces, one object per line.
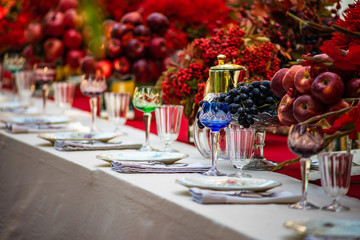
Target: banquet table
{"x":50,"y":194}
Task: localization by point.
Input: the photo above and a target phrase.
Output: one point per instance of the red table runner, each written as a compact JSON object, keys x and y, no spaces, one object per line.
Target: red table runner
{"x":276,"y":148}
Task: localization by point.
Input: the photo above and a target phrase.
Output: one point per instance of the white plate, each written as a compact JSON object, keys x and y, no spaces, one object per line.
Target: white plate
{"x":102,"y":136}
{"x":326,"y":227}
{"x":11,"y":105}
{"x":227,"y":183}
{"x":31,"y":120}
{"x":131,"y":155}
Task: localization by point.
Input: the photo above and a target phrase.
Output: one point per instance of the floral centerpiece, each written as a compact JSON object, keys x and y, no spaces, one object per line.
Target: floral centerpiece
{"x":184,"y":82}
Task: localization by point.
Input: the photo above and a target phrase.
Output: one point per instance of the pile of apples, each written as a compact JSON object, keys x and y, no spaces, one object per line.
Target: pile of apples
{"x":58,"y":38}
{"x":134,"y":45}
{"x":304,"y":97}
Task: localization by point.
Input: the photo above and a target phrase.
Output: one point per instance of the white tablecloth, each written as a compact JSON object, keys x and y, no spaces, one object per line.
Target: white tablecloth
{"x":47,"y":194}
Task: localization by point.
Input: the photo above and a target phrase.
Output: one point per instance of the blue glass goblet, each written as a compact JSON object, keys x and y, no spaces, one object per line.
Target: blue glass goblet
{"x":216,"y":116}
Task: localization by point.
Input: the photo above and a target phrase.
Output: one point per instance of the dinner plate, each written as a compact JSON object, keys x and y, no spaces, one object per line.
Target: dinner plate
{"x":326,"y":227}
{"x":101,"y":136}
{"x":11,"y":105}
{"x":31,"y":120}
{"x":227,"y":183}
{"x":132,"y":155}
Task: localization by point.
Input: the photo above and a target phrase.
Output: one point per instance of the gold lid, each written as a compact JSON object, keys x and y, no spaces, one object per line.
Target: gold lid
{"x":222,"y":66}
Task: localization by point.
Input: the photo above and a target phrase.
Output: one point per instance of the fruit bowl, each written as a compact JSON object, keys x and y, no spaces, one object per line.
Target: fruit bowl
{"x":262,"y":120}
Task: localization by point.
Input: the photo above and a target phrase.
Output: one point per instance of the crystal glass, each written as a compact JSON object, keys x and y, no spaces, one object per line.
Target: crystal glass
{"x":168,"y":121}
{"x":147,"y":99}
{"x":64,"y":94}
{"x":25,"y":83}
{"x":14,"y":62}
{"x":335,"y":169}
{"x":241,"y":147}
{"x":117,"y":107}
{"x":216,"y":116}
{"x":45,"y":73}
{"x":93,"y":85}
{"x":305,"y":141}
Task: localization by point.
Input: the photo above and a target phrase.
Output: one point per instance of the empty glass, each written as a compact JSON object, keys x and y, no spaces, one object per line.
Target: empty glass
{"x":25,"y":83}
{"x":216,"y":116}
{"x":305,"y":141}
{"x":14,"y":62}
{"x":241,"y":147}
{"x":168,"y":121}
{"x":335,"y":169}
{"x":117,"y":106}
{"x":64,"y":94}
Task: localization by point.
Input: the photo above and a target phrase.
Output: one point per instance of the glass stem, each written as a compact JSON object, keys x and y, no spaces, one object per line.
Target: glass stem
{"x":93,"y":107}
{"x":147,"y":121}
{"x":305,"y":168}
{"x":259,"y":144}
{"x":214,"y":148}
{"x":45,"y":91}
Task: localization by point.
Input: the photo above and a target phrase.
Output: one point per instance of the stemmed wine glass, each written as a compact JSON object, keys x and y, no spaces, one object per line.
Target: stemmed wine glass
{"x":216,"y":116}
{"x":93,"y":85}
{"x":45,"y":73}
{"x":14,"y":62}
{"x":146,"y":99}
{"x":305,"y":141}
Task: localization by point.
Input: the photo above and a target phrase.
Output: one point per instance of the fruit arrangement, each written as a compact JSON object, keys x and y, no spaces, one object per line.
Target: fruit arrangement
{"x":133,"y":45}
{"x":58,"y":37}
{"x":307,"y":92}
{"x":247,"y":101}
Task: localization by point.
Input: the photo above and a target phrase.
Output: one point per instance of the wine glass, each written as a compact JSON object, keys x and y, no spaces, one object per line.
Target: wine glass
{"x":335,"y":169}
{"x":92,"y":86}
{"x":216,"y":116}
{"x":117,"y":107}
{"x":147,"y":99}
{"x":305,"y":141}
{"x":45,"y":73}
{"x":14,"y":62}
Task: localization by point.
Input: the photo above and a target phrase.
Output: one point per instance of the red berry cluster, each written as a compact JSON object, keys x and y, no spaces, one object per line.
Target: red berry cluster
{"x":184,"y":83}
{"x":260,"y":60}
{"x":227,"y":43}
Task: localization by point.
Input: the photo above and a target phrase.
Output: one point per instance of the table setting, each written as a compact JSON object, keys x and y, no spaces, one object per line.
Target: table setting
{"x":214,"y":121}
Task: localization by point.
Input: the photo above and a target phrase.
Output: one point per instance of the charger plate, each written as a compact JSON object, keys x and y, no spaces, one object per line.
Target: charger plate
{"x":79,"y":136}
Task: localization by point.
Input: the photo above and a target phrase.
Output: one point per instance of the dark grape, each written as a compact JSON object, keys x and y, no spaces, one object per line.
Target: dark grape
{"x":237,"y":99}
{"x":260,"y":102}
{"x":244,"y":96}
{"x":241,"y":111}
{"x":250,"y":94}
{"x":266,"y":83}
{"x":254,"y":110}
{"x":217,"y":99}
{"x":263,"y":89}
{"x":242,"y":121}
{"x":244,"y":89}
{"x":222,"y":97}
{"x":255,"y":84}
{"x":246,"y":125}
{"x":262,"y":96}
{"x":251,"y":87}
{"x":233,"y":92}
{"x":247,"y":110}
{"x":269,"y":100}
{"x":256,"y":91}
{"x":228,"y":99}
{"x":234,"y":107}
{"x":249,"y":103}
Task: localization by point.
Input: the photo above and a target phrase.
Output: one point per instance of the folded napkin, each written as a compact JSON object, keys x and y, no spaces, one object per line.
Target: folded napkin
{"x":43,"y":128}
{"x":156,"y":167}
{"x":67,"y":145}
{"x":211,"y":197}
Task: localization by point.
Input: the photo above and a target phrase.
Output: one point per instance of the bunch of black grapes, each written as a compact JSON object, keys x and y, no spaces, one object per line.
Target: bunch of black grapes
{"x":248,"y":100}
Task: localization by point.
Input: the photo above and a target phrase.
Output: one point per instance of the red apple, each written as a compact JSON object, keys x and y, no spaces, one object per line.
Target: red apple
{"x":352,"y":88}
{"x":327,"y":87}
{"x":119,"y":30}
{"x":54,"y":49}
{"x":141,"y":70}
{"x":341,"y":104}
{"x":73,"y":58}
{"x":288,"y":79}
{"x":133,"y":18}
{"x":104,"y":67}
{"x":113,"y":48}
{"x":158,"y":48}
{"x":54,"y":24}
{"x":303,"y":80}
{"x":108,"y":26}
{"x":285,"y":122}
{"x":135,"y":49}
{"x":33,"y":33}
{"x":306,"y":106}
{"x":72,"y":39}
{"x":87,"y":65}
{"x":72,"y":19}
{"x":142,"y":31}
{"x":276,"y":83}
{"x":64,"y":5}
{"x":285,"y":109}
{"x":158,"y":23}
{"x":121,"y":65}
{"x":98,"y":48}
